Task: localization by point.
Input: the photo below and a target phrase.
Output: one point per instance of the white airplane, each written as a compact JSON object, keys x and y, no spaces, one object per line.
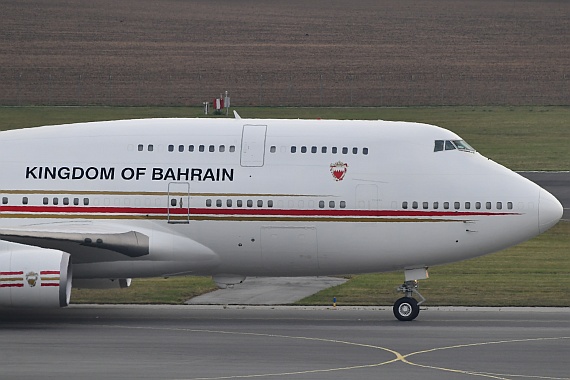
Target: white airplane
{"x":104,"y":202}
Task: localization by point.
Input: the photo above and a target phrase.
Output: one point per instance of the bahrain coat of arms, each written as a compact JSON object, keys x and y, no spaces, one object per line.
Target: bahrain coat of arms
{"x":338,"y":170}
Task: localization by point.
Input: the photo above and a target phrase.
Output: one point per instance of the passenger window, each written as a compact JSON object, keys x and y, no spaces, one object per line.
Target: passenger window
{"x":4,"y":200}
{"x":229,"y":203}
{"x":270,"y":203}
{"x":321,"y":204}
{"x":467,"y":205}
{"x":331,"y":204}
{"x":365,"y":151}
{"x":438,"y":147}
{"x":457,"y":205}
{"x":201,"y":148}
{"x":25,"y":200}
{"x":211,"y":148}
{"x":181,"y":148}
{"x":405,"y":205}
{"x":488,"y":205}
{"x":173,"y":202}
{"x":446,"y":205}
{"x":208,"y":203}
{"x":222,"y":148}
{"x":323,"y":149}
{"x":239,"y":203}
{"x":273,"y":149}
{"x":313,"y":149}
{"x":190,"y":148}
{"x":86,"y":201}
{"x":66,"y":201}
{"x":140,"y":147}
{"x":218,"y":203}
{"x":342,"y":204}
{"x":45,"y":201}
{"x":478,"y":205}
{"x":425,"y":205}
{"x":293,"y":149}
{"x":259,"y":203}
{"x":303,"y":149}
{"x":414,"y":205}
{"x":354,"y":150}
{"x":249,"y":203}
{"x":344,"y":150}
{"x":150,"y":147}
{"x":510,"y":205}
{"x":499,"y":205}
{"x":171,"y":148}
{"x":76,"y":201}
{"x":435,"y":205}
{"x":334,"y":149}
{"x":232,"y":148}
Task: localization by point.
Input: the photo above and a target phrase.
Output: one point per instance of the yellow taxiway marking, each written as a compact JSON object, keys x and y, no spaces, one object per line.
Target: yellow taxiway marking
{"x":398,"y":357}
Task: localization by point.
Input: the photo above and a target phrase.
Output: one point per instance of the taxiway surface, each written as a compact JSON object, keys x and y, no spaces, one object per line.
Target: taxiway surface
{"x":214,"y":342}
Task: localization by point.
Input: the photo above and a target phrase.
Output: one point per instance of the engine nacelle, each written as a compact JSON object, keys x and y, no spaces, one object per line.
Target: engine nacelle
{"x":35,"y":277}
{"x":101,"y":283}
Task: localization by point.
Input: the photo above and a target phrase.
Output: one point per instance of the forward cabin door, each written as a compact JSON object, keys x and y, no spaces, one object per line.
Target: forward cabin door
{"x":367,"y":197}
{"x":178,"y":202}
{"x":253,"y":145}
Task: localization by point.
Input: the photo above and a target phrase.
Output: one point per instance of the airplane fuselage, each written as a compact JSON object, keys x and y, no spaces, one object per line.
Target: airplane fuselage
{"x":260,"y":197}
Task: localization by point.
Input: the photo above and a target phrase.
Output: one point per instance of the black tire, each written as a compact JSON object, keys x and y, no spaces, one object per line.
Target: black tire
{"x":406,"y":309}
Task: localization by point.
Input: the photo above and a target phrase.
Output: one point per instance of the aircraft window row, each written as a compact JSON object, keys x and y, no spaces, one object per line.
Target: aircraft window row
{"x":65,"y":201}
{"x":456,"y":205}
{"x":191,"y":148}
{"x":322,"y":149}
{"x":260,"y":203}
{"x":54,"y":201}
{"x":441,"y":145}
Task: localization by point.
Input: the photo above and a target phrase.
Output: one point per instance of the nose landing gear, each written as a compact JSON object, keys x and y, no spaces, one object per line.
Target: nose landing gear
{"x":407,"y":308}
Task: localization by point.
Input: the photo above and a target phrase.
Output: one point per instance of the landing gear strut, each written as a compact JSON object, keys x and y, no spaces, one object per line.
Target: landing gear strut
{"x":407,"y":308}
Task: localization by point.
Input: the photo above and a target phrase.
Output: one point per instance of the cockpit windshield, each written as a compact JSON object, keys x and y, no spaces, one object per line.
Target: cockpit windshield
{"x":461,"y":145}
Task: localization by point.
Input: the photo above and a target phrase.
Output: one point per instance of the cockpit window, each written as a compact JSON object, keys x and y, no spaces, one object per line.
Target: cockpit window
{"x":461,"y":145}
{"x":438,"y":146}
{"x":449,"y":145}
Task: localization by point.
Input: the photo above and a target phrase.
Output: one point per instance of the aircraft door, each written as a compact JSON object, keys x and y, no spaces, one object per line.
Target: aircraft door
{"x":253,"y":145}
{"x":367,"y":197}
{"x":178,"y":203}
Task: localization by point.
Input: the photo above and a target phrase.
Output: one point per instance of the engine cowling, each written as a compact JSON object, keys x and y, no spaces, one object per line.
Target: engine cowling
{"x":35,"y":277}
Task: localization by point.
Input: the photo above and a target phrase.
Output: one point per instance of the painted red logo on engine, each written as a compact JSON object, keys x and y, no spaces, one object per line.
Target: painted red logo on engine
{"x":338,"y":170}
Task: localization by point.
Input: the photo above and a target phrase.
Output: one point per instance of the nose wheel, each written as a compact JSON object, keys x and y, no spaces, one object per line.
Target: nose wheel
{"x":407,"y":308}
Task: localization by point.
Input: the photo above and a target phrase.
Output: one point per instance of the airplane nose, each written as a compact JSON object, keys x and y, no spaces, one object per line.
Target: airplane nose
{"x":549,"y":210}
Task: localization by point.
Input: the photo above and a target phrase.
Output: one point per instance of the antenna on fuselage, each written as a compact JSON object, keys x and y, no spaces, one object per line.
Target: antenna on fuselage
{"x":236,"y":115}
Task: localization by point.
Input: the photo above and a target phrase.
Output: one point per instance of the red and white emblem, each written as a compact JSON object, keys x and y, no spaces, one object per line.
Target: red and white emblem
{"x":338,"y":170}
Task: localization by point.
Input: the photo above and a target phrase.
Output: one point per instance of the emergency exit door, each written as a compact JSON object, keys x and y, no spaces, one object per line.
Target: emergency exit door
{"x":178,"y":202}
{"x":253,"y":145}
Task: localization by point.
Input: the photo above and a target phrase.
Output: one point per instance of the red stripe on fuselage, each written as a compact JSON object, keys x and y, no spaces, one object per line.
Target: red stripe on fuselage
{"x":244,"y":211}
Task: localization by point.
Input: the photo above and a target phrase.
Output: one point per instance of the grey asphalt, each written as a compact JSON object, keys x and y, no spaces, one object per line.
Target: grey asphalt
{"x":272,"y":342}
{"x":557,"y":183}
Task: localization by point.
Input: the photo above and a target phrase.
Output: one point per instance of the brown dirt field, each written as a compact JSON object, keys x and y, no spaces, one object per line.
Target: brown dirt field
{"x":295,"y":52}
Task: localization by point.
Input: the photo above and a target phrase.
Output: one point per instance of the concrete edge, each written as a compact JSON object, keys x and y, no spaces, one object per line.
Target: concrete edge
{"x":320,"y":308}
